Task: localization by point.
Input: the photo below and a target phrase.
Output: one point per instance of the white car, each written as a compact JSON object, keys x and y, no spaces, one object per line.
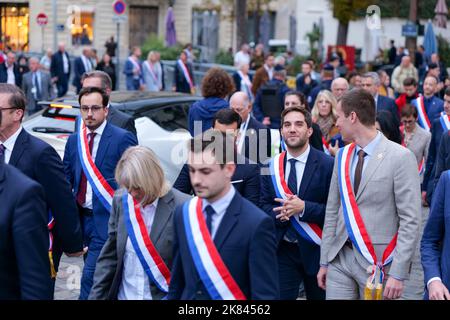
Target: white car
{"x":161,"y":121}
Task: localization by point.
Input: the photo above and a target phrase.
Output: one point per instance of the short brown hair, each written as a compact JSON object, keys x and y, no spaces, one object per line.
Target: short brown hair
{"x":306,"y":114}
{"x":217,"y":83}
{"x":360,"y":102}
{"x":221,"y":144}
{"x":410,"y":82}
{"x":447,"y":91}
{"x":89,"y":90}
{"x":17,"y":98}
{"x":103,"y":76}
{"x":408,"y":111}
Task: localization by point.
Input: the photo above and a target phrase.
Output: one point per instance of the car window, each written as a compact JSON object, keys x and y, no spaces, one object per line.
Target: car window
{"x":169,"y":117}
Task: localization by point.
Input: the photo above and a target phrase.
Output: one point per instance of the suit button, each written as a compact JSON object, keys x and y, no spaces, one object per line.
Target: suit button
{"x":199,"y":293}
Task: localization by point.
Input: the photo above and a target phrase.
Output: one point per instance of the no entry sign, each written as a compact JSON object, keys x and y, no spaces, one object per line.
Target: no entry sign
{"x":42,"y":19}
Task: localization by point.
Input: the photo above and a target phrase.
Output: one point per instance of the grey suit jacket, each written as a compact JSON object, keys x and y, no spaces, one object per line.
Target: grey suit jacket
{"x":419,"y":145}
{"x":389,"y":201}
{"x":45,"y":87}
{"x":109,"y":268}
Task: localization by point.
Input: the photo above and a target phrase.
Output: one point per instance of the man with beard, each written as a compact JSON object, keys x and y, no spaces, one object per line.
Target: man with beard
{"x":295,"y":195}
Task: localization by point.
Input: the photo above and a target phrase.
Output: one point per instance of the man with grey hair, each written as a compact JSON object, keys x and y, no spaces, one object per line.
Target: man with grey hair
{"x":339,"y":86}
{"x":36,"y":85}
{"x":405,"y":70}
{"x":371,"y":83}
{"x":251,"y":132}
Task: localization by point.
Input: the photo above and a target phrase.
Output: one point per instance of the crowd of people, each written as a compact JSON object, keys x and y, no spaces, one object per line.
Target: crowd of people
{"x":337,"y":212}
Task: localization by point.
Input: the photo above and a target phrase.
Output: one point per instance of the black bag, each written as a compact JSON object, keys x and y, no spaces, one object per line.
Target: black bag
{"x":271,"y":103}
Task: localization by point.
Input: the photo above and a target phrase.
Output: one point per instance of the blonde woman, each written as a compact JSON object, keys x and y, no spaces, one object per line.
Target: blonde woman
{"x":324,"y":114}
{"x":122,"y":271}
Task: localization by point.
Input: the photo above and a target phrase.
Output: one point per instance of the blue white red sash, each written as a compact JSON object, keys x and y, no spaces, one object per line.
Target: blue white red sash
{"x":325,"y":145}
{"x":210,"y":266}
{"x":151,"y":71}
{"x":186,"y":73}
{"x":135,"y":64}
{"x":99,"y":185}
{"x":151,"y":261}
{"x":423,"y":119}
{"x":283,"y":144}
{"x":308,"y":231}
{"x":50,"y":226}
{"x":445,"y":121}
{"x":246,"y":86}
{"x":354,"y":223}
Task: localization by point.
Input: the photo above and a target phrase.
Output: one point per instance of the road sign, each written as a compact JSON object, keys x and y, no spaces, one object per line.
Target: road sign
{"x":119,"y":7}
{"x":120,"y":19}
{"x":42,"y":19}
{"x":409,"y":30}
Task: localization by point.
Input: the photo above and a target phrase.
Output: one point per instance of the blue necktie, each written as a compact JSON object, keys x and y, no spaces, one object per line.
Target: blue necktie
{"x":291,"y":233}
{"x":209,"y":213}
{"x":2,"y":153}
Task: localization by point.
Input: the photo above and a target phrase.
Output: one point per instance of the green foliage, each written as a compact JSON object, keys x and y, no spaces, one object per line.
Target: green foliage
{"x":347,"y":10}
{"x":313,"y":38}
{"x":295,"y":67}
{"x":444,"y":50}
{"x":154,"y":43}
{"x":400,"y":8}
{"x":224,"y":57}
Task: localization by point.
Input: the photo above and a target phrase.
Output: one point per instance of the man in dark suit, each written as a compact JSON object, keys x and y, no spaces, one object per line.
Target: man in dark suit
{"x":371,"y":83}
{"x":435,"y":243}
{"x":242,"y":234}
{"x":9,"y":70}
{"x":60,"y":70}
{"x":307,"y":172}
{"x":183,"y":80}
{"x":100,"y":79}
{"x":81,"y":65}
{"x":254,"y":141}
{"x":246,"y":176}
{"x":37,"y":86}
{"x":106,"y":145}
{"x":40,"y":162}
{"x":24,"y":264}
{"x":443,"y":157}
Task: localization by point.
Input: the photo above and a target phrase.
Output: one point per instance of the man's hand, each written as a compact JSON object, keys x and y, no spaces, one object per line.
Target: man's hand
{"x":292,"y":205}
{"x":424,"y":199}
{"x":437,"y":291}
{"x":393,"y":289}
{"x":78,"y":254}
{"x":322,"y":278}
{"x":266,"y":121}
{"x":333,"y":149}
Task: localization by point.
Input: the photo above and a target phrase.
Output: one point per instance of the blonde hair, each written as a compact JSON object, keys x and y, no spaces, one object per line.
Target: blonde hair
{"x":139,"y":169}
{"x":330,"y":98}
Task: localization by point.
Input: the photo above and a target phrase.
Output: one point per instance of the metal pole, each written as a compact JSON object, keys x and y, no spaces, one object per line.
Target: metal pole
{"x":118,"y":57}
{"x":42,"y":29}
{"x":55,"y":22}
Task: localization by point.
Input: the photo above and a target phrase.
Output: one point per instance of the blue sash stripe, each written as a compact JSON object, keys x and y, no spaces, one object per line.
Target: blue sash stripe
{"x":301,"y":231}
{"x":444,"y":126}
{"x":272,"y":176}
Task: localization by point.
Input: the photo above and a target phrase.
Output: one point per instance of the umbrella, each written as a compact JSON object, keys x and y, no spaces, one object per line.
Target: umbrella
{"x":171,"y":35}
{"x":429,"y":40}
{"x":441,"y":14}
{"x":264,"y":30}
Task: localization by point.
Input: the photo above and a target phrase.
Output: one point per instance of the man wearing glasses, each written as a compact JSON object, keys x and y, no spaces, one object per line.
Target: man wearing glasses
{"x":90,"y":171}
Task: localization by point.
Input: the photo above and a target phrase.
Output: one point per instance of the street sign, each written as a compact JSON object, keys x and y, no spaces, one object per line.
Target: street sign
{"x":120,"y":19}
{"x":60,"y":27}
{"x":409,"y":30}
{"x":42,"y":19}
{"x":119,"y":7}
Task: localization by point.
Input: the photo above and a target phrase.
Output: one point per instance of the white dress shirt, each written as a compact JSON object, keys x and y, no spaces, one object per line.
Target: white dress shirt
{"x":87,"y":63}
{"x":269,"y":71}
{"x":11,"y":75}
{"x":9,"y":144}
{"x":220,"y":207}
{"x":65,"y":63}
{"x":98,"y":136}
{"x":135,"y":283}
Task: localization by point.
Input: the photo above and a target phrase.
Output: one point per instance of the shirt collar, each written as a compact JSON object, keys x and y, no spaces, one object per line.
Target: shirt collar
{"x":370,"y":148}
{"x":11,"y":141}
{"x":301,"y":158}
{"x":221,"y":205}
{"x":154,"y":204}
{"x":99,"y":130}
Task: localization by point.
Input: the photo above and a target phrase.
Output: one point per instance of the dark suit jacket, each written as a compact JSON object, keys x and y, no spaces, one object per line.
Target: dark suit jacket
{"x":435,"y":245}
{"x":114,"y":141}
{"x":388,"y":104}
{"x":179,"y":80}
{"x":443,"y":157}
{"x":237,"y":80}
{"x":121,"y":119}
{"x":109,"y":268}
{"x":57,"y":65}
{"x":314,"y":191}
{"x":245,"y":241}
{"x":259,"y":134}
{"x":245,"y":180}
{"x":429,"y":181}
{"x":78,"y":69}
{"x":40,"y":162}
{"x":4,"y":74}
{"x":24,"y":263}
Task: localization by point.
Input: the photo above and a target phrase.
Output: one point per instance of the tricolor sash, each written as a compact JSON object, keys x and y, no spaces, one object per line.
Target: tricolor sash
{"x":325,"y":145}
{"x":283,"y":144}
{"x":135,"y":64}
{"x":50,"y":226}
{"x":99,"y":185}
{"x":307,"y":230}
{"x":151,"y":261}
{"x":242,"y":133}
{"x":247,"y":86}
{"x":186,"y":74}
{"x":445,"y":121}
{"x":356,"y":229}
{"x":212,"y":270}
{"x":423,"y":119}
{"x":151,"y":71}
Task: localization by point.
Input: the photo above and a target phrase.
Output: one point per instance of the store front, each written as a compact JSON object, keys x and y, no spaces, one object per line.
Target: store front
{"x":14,"y":26}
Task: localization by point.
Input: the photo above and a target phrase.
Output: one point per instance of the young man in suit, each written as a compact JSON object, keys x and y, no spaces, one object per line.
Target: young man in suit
{"x":307,"y":172}
{"x":36,"y":85}
{"x":246,"y":176}
{"x":235,"y":234}
{"x":183,"y":80}
{"x":376,"y":184}
{"x":60,"y":70}
{"x":106,"y":143}
{"x":40,"y":162}
{"x":254,"y":140}
{"x":100,"y":79}
{"x":435,"y":243}
{"x":81,"y":65}
{"x":443,"y":158}
{"x":133,"y":70}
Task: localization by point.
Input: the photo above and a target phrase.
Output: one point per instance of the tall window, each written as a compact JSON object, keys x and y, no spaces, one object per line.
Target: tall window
{"x":82,"y":28}
{"x":14,"y":26}
{"x":205,"y":33}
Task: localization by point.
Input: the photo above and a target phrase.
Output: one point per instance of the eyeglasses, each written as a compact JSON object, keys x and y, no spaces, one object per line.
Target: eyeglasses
{"x":1,"y":109}
{"x":94,"y":109}
{"x":408,"y":121}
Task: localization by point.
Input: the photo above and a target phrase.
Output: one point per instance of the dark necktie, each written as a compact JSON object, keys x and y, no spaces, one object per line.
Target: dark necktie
{"x":358,"y":171}
{"x":81,"y":195}
{"x":36,"y":85}
{"x":291,"y":233}
{"x":209,"y":214}
{"x":2,"y":153}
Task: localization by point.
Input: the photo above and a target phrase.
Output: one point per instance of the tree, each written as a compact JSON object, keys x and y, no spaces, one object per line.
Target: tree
{"x":241,"y":21}
{"x":345,"y":11}
{"x":411,"y":42}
